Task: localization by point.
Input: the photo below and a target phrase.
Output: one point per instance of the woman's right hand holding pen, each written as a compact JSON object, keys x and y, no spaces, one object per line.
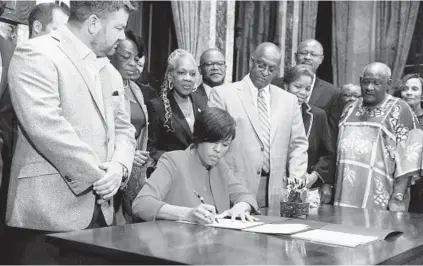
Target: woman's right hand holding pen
{"x":203,"y":214}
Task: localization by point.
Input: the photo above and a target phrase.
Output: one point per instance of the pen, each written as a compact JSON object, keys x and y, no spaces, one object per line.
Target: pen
{"x":203,"y":202}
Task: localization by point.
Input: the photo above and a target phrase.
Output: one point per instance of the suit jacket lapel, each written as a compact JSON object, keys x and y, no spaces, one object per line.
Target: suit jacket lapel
{"x":196,"y":104}
{"x":201,"y":90}
{"x":275,"y":104}
{"x":142,"y":139}
{"x":178,"y":116}
{"x":65,"y":45}
{"x":139,"y":97}
{"x":316,"y":93}
{"x":307,"y":118}
{"x":250,"y":108}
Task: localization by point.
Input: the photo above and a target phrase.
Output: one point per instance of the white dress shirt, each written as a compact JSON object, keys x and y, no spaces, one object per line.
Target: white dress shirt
{"x":208,"y":89}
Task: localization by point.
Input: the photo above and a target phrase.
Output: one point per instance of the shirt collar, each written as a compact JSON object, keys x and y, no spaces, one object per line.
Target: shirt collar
{"x":312,"y":88}
{"x":81,"y":48}
{"x":102,"y":62}
{"x":253,"y":87}
{"x":206,"y":87}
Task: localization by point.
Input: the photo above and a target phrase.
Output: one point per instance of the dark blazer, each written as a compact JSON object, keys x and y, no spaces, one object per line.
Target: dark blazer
{"x":148,"y":91}
{"x":201,"y":92}
{"x":321,"y":153}
{"x":8,"y":125}
{"x":327,"y":97}
{"x":160,"y":139}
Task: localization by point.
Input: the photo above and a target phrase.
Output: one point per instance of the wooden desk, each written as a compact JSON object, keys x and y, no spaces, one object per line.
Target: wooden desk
{"x":166,"y":242}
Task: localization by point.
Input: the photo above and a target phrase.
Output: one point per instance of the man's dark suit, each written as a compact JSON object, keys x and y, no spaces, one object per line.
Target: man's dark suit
{"x":7,"y":133}
{"x":321,"y":152}
{"x":327,"y":97}
{"x":7,"y":125}
{"x":160,"y":139}
{"x":201,"y":91}
{"x":148,"y":92}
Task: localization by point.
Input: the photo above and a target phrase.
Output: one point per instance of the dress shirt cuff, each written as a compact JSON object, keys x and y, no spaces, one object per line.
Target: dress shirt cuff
{"x":320,"y":177}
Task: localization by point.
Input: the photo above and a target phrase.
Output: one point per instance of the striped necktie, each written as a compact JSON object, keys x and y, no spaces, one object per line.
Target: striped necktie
{"x":265,"y":128}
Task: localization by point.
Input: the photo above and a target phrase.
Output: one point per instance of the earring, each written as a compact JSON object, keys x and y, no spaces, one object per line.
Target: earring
{"x":170,"y":85}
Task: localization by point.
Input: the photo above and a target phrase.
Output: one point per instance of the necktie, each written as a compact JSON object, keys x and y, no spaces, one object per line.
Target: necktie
{"x":265,"y":128}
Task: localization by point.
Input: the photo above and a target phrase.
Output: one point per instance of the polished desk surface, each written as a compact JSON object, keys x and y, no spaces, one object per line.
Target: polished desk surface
{"x":172,"y":242}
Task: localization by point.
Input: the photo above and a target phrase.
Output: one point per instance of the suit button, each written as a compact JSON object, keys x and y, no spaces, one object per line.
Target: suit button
{"x":258,"y":172}
{"x":68,"y":178}
{"x":262,"y":149}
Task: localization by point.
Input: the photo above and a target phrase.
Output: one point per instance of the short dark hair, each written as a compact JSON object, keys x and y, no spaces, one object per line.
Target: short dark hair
{"x":213,"y":125}
{"x":44,"y":14}
{"x":81,"y":10}
{"x":293,"y":73}
{"x":130,"y":35}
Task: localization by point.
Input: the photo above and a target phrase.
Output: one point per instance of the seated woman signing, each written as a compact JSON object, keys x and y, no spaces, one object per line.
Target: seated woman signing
{"x":170,"y":192}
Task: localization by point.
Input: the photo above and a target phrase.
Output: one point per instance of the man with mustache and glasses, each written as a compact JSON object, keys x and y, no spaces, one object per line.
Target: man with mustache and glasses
{"x":270,"y":144}
{"x":213,"y":69}
{"x":379,"y":146}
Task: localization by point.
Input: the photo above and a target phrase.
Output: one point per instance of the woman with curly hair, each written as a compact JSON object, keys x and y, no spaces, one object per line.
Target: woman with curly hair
{"x":173,"y":113}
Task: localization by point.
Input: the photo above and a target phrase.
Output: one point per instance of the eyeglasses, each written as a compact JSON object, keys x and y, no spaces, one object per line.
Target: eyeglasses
{"x":305,"y":53}
{"x":368,"y":81}
{"x":213,"y":64}
{"x":263,"y":66}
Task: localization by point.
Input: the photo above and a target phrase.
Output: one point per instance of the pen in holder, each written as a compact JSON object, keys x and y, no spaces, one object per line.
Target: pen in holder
{"x":295,"y":204}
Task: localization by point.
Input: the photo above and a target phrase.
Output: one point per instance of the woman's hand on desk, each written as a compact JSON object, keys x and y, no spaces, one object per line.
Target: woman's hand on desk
{"x":203,"y":214}
{"x":241,"y":210}
{"x":140,"y":158}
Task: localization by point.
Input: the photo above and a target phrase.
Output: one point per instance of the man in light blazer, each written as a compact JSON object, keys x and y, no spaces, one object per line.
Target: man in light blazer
{"x":75,"y":142}
{"x":270,"y":143}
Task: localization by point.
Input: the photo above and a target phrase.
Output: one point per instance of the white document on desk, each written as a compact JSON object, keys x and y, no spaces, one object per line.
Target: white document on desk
{"x":286,"y":229}
{"x":335,"y":238}
{"x":236,"y":224}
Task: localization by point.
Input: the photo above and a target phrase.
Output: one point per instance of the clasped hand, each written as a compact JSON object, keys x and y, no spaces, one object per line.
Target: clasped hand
{"x":108,"y":186}
{"x":140,"y":158}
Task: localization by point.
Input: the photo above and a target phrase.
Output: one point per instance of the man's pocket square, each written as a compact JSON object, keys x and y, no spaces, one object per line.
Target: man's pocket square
{"x":115,"y":93}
